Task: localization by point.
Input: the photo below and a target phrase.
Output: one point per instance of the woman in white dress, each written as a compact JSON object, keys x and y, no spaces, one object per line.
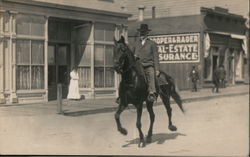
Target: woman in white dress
{"x":74,"y":86}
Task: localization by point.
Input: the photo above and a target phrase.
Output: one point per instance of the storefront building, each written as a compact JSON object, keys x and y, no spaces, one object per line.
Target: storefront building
{"x":41,"y":42}
{"x":212,"y":38}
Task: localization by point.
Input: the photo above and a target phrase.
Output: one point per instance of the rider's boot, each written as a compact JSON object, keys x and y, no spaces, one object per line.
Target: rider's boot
{"x":151,"y":97}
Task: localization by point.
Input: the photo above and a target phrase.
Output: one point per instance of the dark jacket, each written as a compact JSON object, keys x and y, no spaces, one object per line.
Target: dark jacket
{"x":194,"y":75}
{"x":216,"y":75}
{"x":222,"y":73}
{"x":148,"y":53}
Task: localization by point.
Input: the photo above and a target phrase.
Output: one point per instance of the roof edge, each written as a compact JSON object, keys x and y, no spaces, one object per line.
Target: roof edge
{"x":66,"y":7}
{"x":213,"y":11}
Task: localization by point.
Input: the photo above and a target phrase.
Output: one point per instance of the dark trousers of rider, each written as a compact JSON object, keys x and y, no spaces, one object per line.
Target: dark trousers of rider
{"x":150,"y":76}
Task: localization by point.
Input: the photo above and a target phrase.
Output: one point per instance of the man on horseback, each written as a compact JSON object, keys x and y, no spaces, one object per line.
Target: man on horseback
{"x":134,"y":88}
{"x":146,"y":51}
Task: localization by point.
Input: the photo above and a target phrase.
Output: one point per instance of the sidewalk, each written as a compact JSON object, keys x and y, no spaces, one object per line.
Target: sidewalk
{"x":94,"y":106}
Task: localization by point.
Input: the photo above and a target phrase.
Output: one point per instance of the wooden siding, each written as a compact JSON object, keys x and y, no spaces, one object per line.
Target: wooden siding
{"x":166,"y":8}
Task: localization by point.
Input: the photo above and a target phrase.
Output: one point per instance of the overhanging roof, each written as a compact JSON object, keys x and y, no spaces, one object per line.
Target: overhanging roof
{"x":114,"y":12}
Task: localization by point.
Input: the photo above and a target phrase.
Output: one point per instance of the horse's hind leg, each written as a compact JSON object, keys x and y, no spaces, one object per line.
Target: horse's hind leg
{"x":117,"y":119}
{"x":138,"y":125}
{"x":166,"y":102}
{"x":152,"y":119}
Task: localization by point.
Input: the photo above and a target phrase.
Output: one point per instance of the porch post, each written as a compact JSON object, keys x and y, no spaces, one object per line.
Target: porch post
{"x":116,"y":75}
{"x":46,"y":58}
{"x":13,"y":96}
{"x":2,"y":98}
{"x":92,"y":67}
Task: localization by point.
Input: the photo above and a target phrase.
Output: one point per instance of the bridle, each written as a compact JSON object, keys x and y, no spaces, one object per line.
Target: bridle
{"x":124,"y":49}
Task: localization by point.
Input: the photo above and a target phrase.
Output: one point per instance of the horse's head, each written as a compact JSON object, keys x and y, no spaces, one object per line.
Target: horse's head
{"x":120,"y":54}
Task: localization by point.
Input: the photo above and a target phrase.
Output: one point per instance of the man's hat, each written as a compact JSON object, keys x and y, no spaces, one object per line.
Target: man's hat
{"x":144,"y":29}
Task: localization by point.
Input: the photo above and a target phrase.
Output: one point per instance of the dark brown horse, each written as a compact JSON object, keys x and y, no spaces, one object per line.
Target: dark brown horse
{"x":133,"y":90}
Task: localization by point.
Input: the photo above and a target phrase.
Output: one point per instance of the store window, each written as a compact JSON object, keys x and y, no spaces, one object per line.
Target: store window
{"x":104,"y":73}
{"x":30,"y":52}
{"x":30,"y":64}
{"x":83,"y":54}
{"x":84,"y":65}
{"x":30,"y":25}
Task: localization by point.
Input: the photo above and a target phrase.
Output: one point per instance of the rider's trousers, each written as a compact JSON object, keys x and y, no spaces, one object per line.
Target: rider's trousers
{"x":150,"y":75}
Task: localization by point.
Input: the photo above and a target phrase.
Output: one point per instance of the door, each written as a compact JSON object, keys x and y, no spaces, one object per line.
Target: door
{"x":58,"y":69}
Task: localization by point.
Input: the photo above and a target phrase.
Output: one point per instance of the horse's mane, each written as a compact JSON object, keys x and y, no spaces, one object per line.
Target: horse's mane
{"x":128,"y":50}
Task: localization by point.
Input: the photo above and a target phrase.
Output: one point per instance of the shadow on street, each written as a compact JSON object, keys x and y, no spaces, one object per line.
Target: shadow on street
{"x":89,"y":112}
{"x":159,"y":138}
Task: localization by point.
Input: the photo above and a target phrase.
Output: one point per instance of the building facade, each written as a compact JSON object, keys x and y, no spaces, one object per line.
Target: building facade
{"x":41,"y":41}
{"x":196,"y":36}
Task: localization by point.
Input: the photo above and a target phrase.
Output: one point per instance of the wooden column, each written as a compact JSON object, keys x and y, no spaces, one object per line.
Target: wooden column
{"x":46,"y":57}
{"x":2,"y":98}
{"x":13,"y":96}
{"x":116,"y":75}
{"x":92,"y":67}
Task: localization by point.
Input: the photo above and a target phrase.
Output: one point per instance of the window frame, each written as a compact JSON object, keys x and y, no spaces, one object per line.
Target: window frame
{"x":32,"y":38}
{"x":105,"y":28}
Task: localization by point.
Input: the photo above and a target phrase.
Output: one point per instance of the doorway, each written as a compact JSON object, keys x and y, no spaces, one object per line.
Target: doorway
{"x":58,"y":69}
{"x":215,"y":62}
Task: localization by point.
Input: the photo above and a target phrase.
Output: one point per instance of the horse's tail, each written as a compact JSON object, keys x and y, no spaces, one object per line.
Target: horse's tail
{"x":177,"y":99}
{"x":173,"y":92}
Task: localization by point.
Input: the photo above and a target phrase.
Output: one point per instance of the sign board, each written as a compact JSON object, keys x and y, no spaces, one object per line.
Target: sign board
{"x":178,"y":48}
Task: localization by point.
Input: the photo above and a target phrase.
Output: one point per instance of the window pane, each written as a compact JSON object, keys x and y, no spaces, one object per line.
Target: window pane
{"x":37,"y":52}
{"x":109,"y":34}
{"x":83,"y":56}
{"x":99,"y":55}
{"x":6,"y":22}
{"x":83,"y":33}
{"x":84,"y":77}
{"x":99,"y":77}
{"x":23,"y":77}
{"x":23,"y":52}
{"x":37,"y":75}
{"x":37,"y":25}
{"x":51,"y":55}
{"x":62,"y":55}
{"x":30,"y":25}
{"x":109,"y":77}
{"x":99,"y":32}
{"x":104,"y":32}
{"x":109,"y":56}
{"x":22,"y":24}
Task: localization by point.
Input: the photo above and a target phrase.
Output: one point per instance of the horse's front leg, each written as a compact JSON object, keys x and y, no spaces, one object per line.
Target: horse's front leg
{"x":138,"y":125}
{"x":117,"y":119}
{"x":166,"y":102}
{"x":152,"y":119}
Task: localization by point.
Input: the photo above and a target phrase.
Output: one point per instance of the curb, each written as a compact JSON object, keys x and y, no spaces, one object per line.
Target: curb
{"x":112,"y":109}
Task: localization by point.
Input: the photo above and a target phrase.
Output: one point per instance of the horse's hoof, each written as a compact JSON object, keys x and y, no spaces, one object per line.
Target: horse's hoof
{"x":172,"y":128}
{"x":123,"y":131}
{"x":141,"y":144}
{"x":149,"y":139}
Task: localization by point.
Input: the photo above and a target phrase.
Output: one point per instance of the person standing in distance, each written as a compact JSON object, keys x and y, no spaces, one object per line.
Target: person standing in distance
{"x":194,"y":77}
